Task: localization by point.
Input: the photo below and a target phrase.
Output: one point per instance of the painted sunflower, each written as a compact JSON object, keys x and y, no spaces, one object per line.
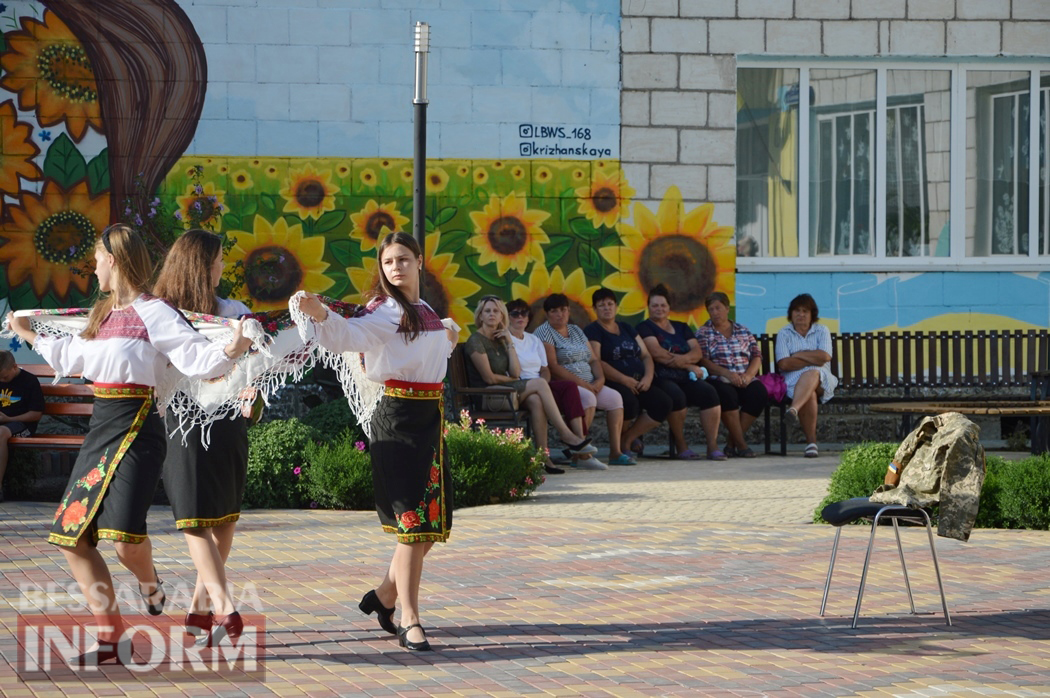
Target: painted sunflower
{"x":202,"y":207}
{"x":445,"y":292}
{"x":17,"y":150}
{"x":508,"y":233}
{"x":48,"y":68}
{"x":309,"y":192}
{"x":278,"y":261}
{"x":437,"y":180}
{"x":51,"y":238}
{"x":242,"y":179}
{"x":374,"y":221}
{"x":605,"y":198}
{"x":687,"y":252}
{"x":542,"y":283}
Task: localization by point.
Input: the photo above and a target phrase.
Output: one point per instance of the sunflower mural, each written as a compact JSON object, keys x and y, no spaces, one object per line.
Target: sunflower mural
{"x":688,"y":252}
{"x":513,"y":228}
{"x":277,"y":260}
{"x":49,"y":70}
{"x":50,"y":239}
{"x":204,"y":203}
{"x":508,"y":233}
{"x":17,"y":150}
{"x":374,"y":221}
{"x":309,"y":193}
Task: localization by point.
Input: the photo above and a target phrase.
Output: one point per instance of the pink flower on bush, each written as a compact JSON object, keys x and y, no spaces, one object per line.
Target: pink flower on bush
{"x":481,"y":421}
{"x":359,"y":445}
{"x":514,"y":492}
{"x":528,"y":480}
{"x":297,"y":470}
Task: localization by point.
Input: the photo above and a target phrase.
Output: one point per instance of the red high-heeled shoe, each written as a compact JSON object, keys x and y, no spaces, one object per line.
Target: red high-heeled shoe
{"x":230,"y":626}
{"x":195,"y":622}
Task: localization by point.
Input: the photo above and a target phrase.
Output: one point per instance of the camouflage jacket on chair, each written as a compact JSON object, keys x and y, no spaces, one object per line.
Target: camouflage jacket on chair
{"x":942,"y":462}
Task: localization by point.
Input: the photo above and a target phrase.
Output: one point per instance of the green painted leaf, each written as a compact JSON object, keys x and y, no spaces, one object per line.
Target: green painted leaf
{"x":590,"y":261}
{"x":342,"y":252}
{"x":98,"y":173}
{"x":452,"y":241}
{"x":342,"y":285}
{"x":582,"y":228}
{"x":268,"y":200}
{"x":445,"y":215}
{"x":248,"y":205}
{"x":231,"y":221}
{"x":64,"y":163}
{"x":329,"y":221}
{"x":557,"y":248}
{"x":488,"y":274}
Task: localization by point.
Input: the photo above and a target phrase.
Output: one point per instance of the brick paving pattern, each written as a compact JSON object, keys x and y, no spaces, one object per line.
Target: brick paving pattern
{"x":666,"y":578}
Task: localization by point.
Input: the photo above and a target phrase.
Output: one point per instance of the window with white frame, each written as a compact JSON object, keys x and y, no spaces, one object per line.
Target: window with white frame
{"x":894,"y":154}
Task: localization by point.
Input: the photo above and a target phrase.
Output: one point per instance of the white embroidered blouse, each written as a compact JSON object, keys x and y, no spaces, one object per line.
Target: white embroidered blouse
{"x":376,"y":334}
{"x":134,"y":345}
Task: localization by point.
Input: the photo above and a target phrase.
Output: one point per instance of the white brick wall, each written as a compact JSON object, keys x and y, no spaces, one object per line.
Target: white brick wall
{"x":679,"y":127}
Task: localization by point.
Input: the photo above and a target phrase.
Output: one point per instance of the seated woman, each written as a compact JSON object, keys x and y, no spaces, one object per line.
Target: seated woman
{"x":570,"y":357}
{"x":494,"y":361}
{"x":803,"y":356}
{"x":679,"y":374}
{"x":732,"y":358}
{"x":629,"y":370}
{"x":532,"y":358}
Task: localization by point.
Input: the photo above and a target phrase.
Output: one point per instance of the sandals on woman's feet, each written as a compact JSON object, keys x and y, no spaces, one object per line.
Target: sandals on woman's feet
{"x":811,"y":451}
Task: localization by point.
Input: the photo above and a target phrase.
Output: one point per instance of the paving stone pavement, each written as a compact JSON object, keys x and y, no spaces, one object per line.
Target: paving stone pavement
{"x":665,"y":578}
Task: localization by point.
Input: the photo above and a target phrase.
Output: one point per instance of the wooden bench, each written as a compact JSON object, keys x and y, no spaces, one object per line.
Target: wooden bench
{"x":923,"y":366}
{"x":464,"y":397}
{"x":64,"y":399}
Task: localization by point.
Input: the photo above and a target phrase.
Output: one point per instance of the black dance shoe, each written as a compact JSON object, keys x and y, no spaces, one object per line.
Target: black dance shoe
{"x":155,"y":609}
{"x":105,"y":652}
{"x":402,"y":639}
{"x":370,"y":603}
{"x":576,"y":448}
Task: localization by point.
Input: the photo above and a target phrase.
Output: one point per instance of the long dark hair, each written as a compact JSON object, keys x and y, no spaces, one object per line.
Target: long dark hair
{"x":185,"y":278}
{"x":411,"y":322}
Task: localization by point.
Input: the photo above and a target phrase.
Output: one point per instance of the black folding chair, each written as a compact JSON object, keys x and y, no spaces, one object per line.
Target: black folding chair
{"x":847,"y":511}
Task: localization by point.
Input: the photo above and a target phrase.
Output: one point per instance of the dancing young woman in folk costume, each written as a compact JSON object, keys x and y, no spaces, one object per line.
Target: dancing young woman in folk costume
{"x":405,"y":347}
{"x":129,"y":339}
{"x":205,"y":484}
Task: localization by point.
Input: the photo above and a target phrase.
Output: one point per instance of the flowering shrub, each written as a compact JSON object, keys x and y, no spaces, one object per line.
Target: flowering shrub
{"x":278,"y":464}
{"x":490,"y":465}
{"x":340,"y":472}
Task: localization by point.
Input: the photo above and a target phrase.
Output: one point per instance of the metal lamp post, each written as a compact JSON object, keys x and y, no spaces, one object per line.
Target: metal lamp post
{"x":419,"y":180}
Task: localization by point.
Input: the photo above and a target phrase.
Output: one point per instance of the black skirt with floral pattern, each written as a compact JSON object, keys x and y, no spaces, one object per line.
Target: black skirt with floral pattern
{"x":115,"y":475}
{"x":413,"y":486}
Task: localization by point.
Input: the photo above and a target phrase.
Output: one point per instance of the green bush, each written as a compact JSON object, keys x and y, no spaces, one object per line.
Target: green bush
{"x":276,"y":459}
{"x":332,"y":419}
{"x":990,"y":514}
{"x":863,"y":468}
{"x":1024,"y":495}
{"x":491,"y":465}
{"x":340,"y":473}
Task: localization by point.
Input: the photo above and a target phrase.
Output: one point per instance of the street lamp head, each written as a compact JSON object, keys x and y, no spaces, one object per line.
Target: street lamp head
{"x":422,"y":37}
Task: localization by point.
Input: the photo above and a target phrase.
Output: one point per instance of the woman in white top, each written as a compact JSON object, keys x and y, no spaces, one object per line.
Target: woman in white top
{"x":205,"y":485}
{"x":404,"y":346}
{"x":129,"y":340}
{"x":803,"y":354}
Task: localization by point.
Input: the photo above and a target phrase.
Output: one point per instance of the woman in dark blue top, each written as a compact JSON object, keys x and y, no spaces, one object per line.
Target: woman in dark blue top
{"x":677,"y":355}
{"x":630,"y":371}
